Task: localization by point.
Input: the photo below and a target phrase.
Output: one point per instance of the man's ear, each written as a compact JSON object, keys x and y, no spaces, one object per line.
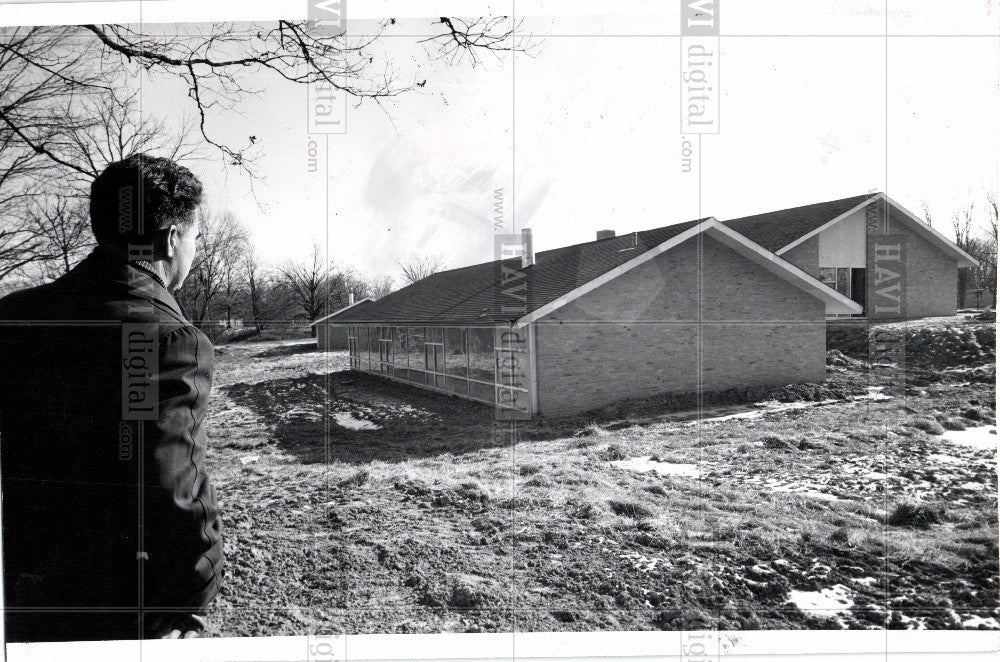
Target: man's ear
{"x":165,"y":243}
{"x":173,"y":237}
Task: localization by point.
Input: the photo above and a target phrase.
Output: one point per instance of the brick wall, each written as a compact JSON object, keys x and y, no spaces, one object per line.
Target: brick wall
{"x":640,"y":334}
{"x":931,"y":281}
{"x":806,"y":256}
{"x":331,"y":337}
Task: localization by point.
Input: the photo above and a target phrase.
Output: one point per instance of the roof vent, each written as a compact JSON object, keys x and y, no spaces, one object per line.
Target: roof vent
{"x":605,"y":234}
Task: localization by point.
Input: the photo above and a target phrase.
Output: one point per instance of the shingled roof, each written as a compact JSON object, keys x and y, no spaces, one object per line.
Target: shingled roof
{"x":776,"y":229}
{"x":488,"y":293}
{"x":475,"y":295}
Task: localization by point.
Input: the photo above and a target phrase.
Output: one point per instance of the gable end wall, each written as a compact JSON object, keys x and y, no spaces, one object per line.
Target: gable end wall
{"x":931,"y":280}
{"x":640,"y":334}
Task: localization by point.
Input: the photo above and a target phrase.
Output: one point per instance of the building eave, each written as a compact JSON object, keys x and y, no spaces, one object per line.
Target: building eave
{"x":345,"y":308}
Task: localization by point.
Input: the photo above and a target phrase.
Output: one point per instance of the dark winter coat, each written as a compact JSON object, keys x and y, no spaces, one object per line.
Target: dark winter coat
{"x":104,"y":387}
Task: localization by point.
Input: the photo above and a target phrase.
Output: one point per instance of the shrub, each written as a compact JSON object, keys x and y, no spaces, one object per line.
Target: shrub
{"x":973,"y":413}
{"x":473,"y":491}
{"x":952,"y":423}
{"x":611,"y":452}
{"x":629,"y":509}
{"x":913,"y":515}
{"x":360,"y":478}
{"x":776,"y":443}
{"x":928,"y":425}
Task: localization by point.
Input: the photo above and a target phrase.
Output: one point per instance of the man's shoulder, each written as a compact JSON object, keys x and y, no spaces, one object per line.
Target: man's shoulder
{"x":62,"y":301}
{"x":27,"y":303}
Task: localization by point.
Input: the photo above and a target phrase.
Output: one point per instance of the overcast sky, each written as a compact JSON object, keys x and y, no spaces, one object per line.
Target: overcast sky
{"x":584,"y":135}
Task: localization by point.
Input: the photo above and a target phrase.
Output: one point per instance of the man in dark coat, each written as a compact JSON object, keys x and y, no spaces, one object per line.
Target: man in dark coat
{"x":110,"y":525}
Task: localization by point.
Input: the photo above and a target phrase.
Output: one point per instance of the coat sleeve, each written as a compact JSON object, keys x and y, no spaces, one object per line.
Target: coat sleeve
{"x":181,"y":527}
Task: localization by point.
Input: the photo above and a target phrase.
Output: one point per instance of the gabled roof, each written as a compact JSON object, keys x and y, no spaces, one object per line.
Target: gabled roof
{"x":775,"y":230}
{"x":479,"y":294}
{"x":476,"y":294}
{"x":357,"y":306}
{"x":836,"y":303}
{"x":780,"y":231}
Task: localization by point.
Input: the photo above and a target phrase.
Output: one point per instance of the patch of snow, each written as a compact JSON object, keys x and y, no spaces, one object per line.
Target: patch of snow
{"x":946,"y":459}
{"x":346,"y":420}
{"x":867,"y":581}
{"x":247,"y":459}
{"x":874,"y":393}
{"x":729,"y":417}
{"x":647,"y":464}
{"x":979,"y":621}
{"x":912,"y":623}
{"x":314,"y":414}
{"x":642,"y":563}
{"x":834,"y":600}
{"x":802,"y":490}
{"x":775,"y":407}
{"x":984,"y":437}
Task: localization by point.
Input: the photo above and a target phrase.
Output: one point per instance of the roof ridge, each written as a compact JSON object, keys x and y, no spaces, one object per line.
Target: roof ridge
{"x":619,"y":236}
{"x":811,"y":204}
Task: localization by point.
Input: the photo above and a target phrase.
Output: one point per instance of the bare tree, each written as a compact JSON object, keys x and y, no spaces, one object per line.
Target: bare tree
{"x":119,"y":130}
{"x":961,"y":223}
{"x":41,"y":86}
{"x":18,"y":248}
{"x":62,"y":226}
{"x":980,"y":241}
{"x":419,"y":267}
{"x":252,"y":274}
{"x":221,"y":246}
{"x":377,"y":288}
{"x":309,"y":282}
{"x":927,"y":212}
{"x":991,"y":207}
{"x":61,"y":123}
{"x":990,"y":273}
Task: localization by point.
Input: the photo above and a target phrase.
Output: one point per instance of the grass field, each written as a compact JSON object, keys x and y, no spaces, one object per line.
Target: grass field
{"x":357,"y":505}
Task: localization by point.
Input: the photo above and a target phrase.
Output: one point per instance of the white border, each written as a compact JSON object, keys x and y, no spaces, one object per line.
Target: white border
{"x":855,"y":646}
{"x":745,"y":646}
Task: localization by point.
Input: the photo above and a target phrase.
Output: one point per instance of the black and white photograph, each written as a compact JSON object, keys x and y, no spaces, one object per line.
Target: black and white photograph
{"x":384,"y":330}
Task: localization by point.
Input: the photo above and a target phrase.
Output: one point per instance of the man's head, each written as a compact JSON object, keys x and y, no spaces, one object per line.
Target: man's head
{"x":147,"y":206}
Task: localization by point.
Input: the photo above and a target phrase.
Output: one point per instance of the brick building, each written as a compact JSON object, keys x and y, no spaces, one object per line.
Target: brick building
{"x":688,"y":306}
{"x":870,"y":249}
{"x":330,"y":337}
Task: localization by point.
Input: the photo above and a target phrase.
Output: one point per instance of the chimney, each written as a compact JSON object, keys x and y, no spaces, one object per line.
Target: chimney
{"x":528,"y":254}
{"x":350,"y":298}
{"x":605,"y":234}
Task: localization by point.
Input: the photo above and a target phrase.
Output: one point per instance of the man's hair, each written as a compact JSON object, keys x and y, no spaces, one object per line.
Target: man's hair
{"x":135,"y":197}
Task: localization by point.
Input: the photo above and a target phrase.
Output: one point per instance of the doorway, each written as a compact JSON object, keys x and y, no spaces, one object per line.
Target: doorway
{"x":859,"y":289}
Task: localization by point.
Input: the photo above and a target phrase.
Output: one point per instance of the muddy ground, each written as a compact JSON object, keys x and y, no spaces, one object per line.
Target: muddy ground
{"x":357,"y":505}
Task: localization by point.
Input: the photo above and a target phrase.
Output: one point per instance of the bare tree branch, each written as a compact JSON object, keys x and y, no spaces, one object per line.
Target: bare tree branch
{"x":464,"y":39}
{"x":419,"y":267}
